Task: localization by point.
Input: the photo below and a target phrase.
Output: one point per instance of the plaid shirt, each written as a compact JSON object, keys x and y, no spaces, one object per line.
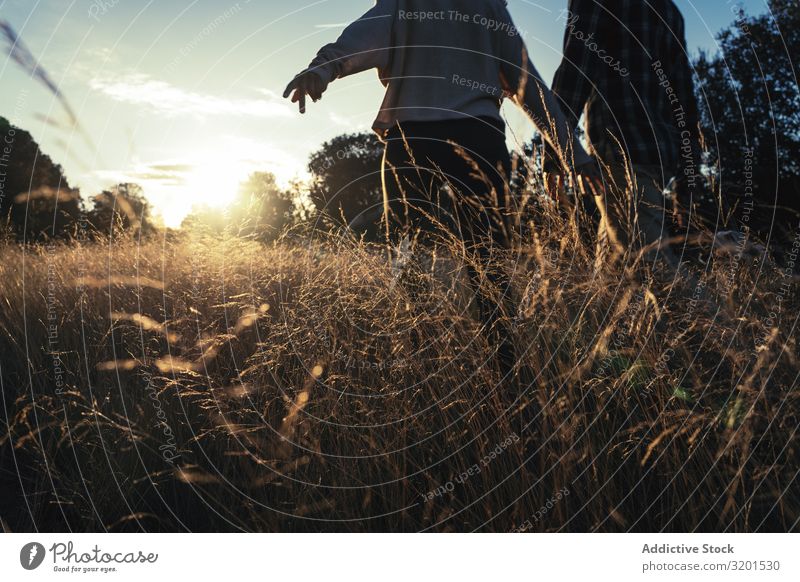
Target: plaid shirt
{"x":625,"y":63}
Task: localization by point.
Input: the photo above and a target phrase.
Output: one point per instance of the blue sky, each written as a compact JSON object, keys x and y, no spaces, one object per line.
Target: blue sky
{"x":184,"y":96}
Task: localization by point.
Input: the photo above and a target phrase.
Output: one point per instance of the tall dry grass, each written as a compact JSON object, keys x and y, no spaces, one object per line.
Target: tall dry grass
{"x":194,"y":383}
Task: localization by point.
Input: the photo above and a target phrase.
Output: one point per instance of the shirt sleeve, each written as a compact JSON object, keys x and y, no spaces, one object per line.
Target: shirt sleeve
{"x":527,"y":89}
{"x":365,"y":44}
{"x":572,"y":83}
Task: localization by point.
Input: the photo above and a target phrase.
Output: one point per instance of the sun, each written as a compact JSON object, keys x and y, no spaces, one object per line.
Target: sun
{"x":214,"y":186}
{"x":204,"y":182}
{"x":211,"y":177}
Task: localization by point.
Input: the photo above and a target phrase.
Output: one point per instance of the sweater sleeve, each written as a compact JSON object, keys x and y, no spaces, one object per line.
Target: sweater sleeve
{"x":527,"y":89}
{"x":365,"y":44}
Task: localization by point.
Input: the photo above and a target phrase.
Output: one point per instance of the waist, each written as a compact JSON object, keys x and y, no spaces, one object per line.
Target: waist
{"x":492,"y":127}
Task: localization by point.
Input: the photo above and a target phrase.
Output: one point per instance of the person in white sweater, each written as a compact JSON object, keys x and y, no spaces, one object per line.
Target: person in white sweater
{"x":447,"y":66}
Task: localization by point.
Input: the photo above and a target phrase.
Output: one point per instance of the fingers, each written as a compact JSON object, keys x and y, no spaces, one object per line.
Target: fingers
{"x":592,"y":185}
{"x":555,"y":185}
{"x":599,"y":185}
{"x":297,"y":89}
{"x":586,"y":183}
{"x":290,"y":87}
{"x":315,"y":86}
{"x":555,"y":188}
{"x":552,"y":185}
{"x":312,"y":87}
{"x":300,"y":97}
{"x":305,"y":84}
{"x":585,"y":186}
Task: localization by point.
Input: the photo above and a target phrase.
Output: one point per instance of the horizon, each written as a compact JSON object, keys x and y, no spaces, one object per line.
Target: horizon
{"x":203,"y":91}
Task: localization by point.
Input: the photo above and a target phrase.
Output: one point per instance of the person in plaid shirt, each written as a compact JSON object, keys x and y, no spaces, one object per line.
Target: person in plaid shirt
{"x":626,"y":70}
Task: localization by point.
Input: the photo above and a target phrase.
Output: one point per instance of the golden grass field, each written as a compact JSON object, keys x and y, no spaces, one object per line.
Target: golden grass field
{"x":190,"y":382}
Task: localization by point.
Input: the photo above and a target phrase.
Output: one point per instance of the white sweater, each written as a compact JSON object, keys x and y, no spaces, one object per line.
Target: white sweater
{"x":446,"y":59}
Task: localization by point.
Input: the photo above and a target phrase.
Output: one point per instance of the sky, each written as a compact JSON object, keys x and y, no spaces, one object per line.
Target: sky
{"x":184,"y":97}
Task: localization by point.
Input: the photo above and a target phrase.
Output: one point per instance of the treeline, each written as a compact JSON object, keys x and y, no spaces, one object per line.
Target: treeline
{"x":37,"y":202}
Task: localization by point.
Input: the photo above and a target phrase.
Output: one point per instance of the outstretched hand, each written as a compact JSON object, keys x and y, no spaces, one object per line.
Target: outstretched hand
{"x":305,"y":84}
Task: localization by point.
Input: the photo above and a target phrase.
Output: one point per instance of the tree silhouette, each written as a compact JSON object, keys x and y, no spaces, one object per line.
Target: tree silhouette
{"x":346,"y":181}
{"x":123,"y":209}
{"x":35,"y":198}
{"x":261,"y":210}
{"x":750,"y":110}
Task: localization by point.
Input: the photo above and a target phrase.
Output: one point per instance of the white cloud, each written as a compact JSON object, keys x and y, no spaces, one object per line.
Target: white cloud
{"x":167,"y":99}
{"x":339,"y":120}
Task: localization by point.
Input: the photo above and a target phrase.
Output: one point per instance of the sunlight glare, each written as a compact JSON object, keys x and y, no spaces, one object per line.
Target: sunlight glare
{"x":214,"y":185}
{"x":215,"y":178}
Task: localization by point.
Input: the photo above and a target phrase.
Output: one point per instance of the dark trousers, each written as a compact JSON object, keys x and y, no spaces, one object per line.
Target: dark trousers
{"x":449,"y":178}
